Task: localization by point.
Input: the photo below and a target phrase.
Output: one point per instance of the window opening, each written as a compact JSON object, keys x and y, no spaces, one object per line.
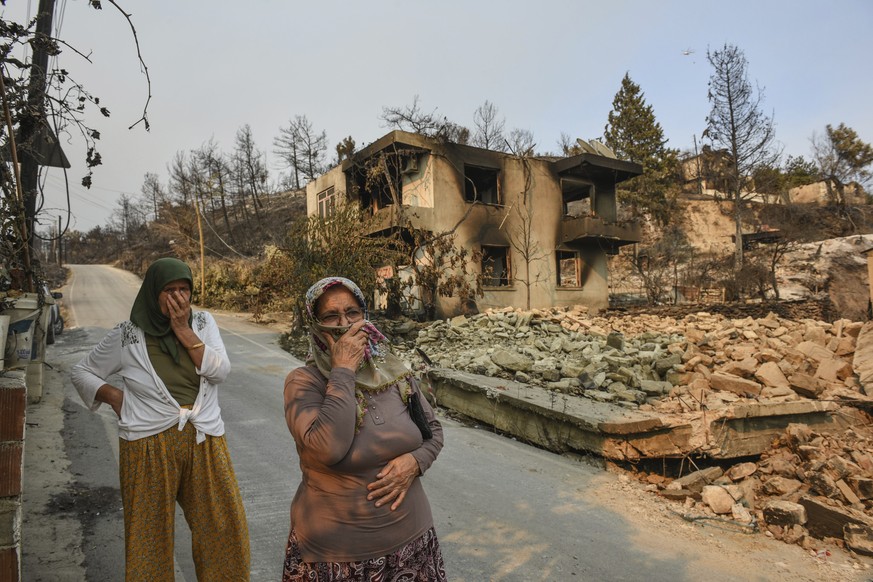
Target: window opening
{"x":495,"y":266}
{"x":327,"y":200}
{"x":481,"y":184}
{"x":568,"y":269}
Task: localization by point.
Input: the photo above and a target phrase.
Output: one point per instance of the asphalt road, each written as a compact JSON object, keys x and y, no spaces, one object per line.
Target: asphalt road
{"x":504,"y":511}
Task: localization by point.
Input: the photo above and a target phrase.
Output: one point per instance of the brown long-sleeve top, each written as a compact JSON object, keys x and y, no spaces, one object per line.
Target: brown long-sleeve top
{"x":330,"y":513}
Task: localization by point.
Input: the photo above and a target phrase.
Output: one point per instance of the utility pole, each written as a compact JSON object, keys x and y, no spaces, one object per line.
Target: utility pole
{"x":202,"y":254}
{"x":31,"y":122}
{"x":60,"y":243}
{"x":124,"y":219}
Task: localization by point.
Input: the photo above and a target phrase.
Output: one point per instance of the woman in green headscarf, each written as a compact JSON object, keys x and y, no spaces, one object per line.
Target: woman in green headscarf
{"x":172,"y":446}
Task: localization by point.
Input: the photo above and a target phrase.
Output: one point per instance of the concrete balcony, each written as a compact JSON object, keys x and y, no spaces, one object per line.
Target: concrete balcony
{"x":579,"y":228}
{"x":388,"y":218}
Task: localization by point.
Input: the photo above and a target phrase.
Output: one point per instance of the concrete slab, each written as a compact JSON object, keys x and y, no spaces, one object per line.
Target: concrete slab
{"x":751,"y":428}
{"x":559,"y":422}
{"x":562,"y":422}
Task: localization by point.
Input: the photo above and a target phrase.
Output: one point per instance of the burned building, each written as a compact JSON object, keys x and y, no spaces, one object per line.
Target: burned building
{"x":540,"y":228}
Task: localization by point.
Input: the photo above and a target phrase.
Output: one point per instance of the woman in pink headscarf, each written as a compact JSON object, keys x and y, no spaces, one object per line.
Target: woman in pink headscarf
{"x":365,"y":436}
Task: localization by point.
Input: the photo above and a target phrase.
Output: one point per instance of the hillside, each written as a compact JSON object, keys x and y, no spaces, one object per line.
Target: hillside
{"x":818,"y":252}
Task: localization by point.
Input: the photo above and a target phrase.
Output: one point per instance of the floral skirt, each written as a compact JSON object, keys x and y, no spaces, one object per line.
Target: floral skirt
{"x":418,"y":561}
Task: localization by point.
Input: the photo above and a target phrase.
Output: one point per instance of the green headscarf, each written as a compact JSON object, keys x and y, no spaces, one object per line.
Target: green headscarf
{"x":146,"y":311}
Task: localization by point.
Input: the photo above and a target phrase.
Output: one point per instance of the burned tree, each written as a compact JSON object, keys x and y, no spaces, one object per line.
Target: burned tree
{"x":736,"y":124}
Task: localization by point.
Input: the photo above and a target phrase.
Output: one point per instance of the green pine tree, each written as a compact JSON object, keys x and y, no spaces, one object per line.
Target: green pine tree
{"x":634,"y":134}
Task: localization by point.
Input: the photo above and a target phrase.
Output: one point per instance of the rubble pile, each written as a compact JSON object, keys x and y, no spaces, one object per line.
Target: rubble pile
{"x":807,"y":486}
{"x":652,"y":362}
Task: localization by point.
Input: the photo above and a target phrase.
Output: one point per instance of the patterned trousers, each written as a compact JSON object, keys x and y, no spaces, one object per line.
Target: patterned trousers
{"x":158,"y":471}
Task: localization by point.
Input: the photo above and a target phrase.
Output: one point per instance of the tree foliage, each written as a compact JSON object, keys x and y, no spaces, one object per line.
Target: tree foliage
{"x":532,"y":256}
{"x":737,"y":124}
{"x":660,"y":266}
{"x":634,"y":134}
{"x":301,"y":148}
{"x":842,"y":157}
{"x":799,"y":171}
{"x":316,"y":247}
{"x":489,"y":127}
{"x":345,"y":149}
{"x":413,"y":119}
{"x":43,"y":105}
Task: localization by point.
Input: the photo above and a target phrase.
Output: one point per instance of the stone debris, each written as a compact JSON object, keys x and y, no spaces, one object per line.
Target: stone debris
{"x":702,"y":361}
{"x":808,"y":485}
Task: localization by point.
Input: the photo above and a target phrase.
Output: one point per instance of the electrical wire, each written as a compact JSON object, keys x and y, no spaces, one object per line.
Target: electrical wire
{"x":219,"y":236}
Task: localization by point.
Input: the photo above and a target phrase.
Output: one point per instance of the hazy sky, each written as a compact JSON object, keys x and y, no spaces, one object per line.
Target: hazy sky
{"x":550,"y":66}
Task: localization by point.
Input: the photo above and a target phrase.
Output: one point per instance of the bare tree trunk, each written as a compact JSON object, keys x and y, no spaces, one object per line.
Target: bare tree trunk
{"x":738,"y":218}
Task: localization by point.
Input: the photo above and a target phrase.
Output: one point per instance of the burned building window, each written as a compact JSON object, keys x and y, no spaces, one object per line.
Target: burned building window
{"x":495,"y":266}
{"x":481,"y":185}
{"x":577,"y":197}
{"x":327,"y":200}
{"x":568,"y":269}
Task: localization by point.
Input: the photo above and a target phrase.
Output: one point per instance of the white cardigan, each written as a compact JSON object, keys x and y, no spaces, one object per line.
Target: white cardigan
{"x":148,"y":407}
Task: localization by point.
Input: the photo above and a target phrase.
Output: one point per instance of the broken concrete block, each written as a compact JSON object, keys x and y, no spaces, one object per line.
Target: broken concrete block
{"x":864,"y":461}
{"x":655,"y":387}
{"x":741,"y":471}
{"x":615,"y":340}
{"x":769,"y":374}
{"x":664,"y":365}
{"x":587,"y":381}
{"x":748,"y":489}
{"x":862,"y":486}
{"x":798,"y":434}
{"x":778,"y":392}
{"x":717,"y":498}
{"x":572,"y":368}
{"x":845,"y":347}
{"x":822,"y":484}
{"x":833,"y":370}
{"x":805,"y":385}
{"x":842,"y":468}
{"x":511,"y":360}
{"x":784,"y":513}
{"x":814,"y":333}
{"x":847,"y":492}
{"x":679,"y":494}
{"x":600,"y":395}
{"x":783,"y":465}
{"x":735,"y":384}
{"x":809,"y":452}
{"x":814,"y":351}
{"x":859,"y":538}
{"x":744,"y":368}
{"x":458,"y":321}
{"x":823,"y":520}
{"x":741,"y":513}
{"x":780,"y":486}
{"x":696,"y":480}
{"x":793,"y":534}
